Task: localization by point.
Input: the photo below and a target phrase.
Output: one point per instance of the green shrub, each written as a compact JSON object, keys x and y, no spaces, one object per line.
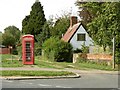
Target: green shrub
{"x":117,"y":56}
{"x":49,"y":47}
{"x":57,"y":50}
{"x":37,"y":49}
{"x":19,"y":49}
{"x":85,"y":49}
{"x":14,"y":52}
{"x":63,"y":52}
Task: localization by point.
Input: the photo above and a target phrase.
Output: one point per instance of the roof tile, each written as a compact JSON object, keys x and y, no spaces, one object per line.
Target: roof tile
{"x":70,"y":32}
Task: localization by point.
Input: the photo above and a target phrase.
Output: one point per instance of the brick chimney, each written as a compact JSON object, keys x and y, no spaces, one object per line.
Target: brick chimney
{"x":73,"y":20}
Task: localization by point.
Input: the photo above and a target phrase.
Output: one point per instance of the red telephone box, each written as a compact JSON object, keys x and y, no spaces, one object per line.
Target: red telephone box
{"x":28,"y":49}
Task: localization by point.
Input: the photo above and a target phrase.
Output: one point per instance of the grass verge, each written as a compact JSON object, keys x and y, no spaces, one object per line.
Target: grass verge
{"x":8,"y":60}
{"x":11,"y":63}
{"x":35,"y":73}
{"x":42,"y":62}
{"x":89,"y":66}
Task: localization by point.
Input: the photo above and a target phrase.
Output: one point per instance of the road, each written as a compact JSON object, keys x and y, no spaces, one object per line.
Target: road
{"x":85,"y":81}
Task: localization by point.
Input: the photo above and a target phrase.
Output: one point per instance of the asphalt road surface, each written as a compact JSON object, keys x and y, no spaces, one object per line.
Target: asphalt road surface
{"x":85,"y":81}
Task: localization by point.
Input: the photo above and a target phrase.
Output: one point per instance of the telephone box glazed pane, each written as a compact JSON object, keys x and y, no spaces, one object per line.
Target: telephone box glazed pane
{"x":28,"y":49}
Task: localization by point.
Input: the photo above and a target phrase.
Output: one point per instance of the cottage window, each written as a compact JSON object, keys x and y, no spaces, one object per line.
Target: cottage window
{"x":81,"y":37}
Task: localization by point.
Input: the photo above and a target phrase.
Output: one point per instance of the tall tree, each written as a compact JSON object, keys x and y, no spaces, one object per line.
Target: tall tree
{"x":8,"y":40}
{"x":25,"y":25}
{"x":104,"y":21}
{"x":11,"y":36}
{"x":14,"y":31}
{"x":86,"y":13}
{"x":61,"y":26}
{"x":44,"y":35}
{"x":1,"y":38}
{"x":33,"y":23}
{"x":105,"y":25}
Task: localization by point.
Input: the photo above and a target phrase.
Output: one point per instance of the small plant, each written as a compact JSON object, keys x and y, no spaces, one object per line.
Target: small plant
{"x":37,"y":49}
{"x":117,"y":56}
{"x":19,"y":49}
{"x":15,"y":52}
{"x":81,"y":60}
{"x":85,"y":49}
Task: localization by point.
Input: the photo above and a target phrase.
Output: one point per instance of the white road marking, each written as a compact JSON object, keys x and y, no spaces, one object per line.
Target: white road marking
{"x":24,"y":83}
{"x":43,"y":85}
{"x":32,"y":80}
{"x":9,"y":81}
{"x":30,"y":83}
{"x":62,"y":87}
{"x":23,"y":80}
{"x":59,"y":86}
{"x":67,"y":87}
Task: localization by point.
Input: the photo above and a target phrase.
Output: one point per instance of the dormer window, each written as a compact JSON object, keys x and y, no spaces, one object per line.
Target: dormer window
{"x":81,"y":37}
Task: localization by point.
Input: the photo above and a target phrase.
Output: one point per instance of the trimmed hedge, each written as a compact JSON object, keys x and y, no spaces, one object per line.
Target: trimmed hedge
{"x":57,"y":50}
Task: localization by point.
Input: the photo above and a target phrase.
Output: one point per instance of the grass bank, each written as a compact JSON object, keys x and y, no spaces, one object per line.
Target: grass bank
{"x":35,"y":73}
{"x":8,"y":60}
{"x":45,"y":63}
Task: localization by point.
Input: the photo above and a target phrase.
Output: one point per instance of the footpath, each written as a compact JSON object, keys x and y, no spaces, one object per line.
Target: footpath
{"x":77,"y":72}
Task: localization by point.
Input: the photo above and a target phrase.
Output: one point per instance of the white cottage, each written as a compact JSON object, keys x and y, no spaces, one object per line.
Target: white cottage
{"x":77,"y":35}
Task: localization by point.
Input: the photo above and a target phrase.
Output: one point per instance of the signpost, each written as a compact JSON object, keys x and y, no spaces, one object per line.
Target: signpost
{"x":11,"y":52}
{"x":113,"y":64}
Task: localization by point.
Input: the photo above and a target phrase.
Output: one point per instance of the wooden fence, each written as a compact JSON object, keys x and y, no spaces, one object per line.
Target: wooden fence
{"x":4,"y":51}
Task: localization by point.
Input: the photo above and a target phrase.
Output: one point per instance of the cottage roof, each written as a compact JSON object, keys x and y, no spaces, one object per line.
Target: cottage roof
{"x":70,"y":32}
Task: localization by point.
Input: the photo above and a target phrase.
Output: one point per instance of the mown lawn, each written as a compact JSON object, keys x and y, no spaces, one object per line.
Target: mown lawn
{"x":8,"y":60}
{"x":35,"y":73}
{"x":45,"y":63}
{"x":89,"y":66}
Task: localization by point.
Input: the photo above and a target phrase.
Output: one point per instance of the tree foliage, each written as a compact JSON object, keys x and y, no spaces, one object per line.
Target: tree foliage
{"x":1,"y":38}
{"x":11,"y":36}
{"x":44,"y":35}
{"x":86,"y":13}
{"x":14,"y":31}
{"x":8,"y":40}
{"x":33,"y":23}
{"x":25,"y":25}
{"x":60,"y":26}
{"x":105,"y":24}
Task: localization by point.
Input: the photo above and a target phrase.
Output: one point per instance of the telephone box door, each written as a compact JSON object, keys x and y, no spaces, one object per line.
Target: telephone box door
{"x":28,"y":49}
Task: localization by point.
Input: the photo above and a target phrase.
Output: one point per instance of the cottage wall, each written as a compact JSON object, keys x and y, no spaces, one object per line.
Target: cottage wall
{"x":77,"y":44}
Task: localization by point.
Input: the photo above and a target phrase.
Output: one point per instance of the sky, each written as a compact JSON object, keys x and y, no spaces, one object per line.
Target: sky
{"x":12,"y":12}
